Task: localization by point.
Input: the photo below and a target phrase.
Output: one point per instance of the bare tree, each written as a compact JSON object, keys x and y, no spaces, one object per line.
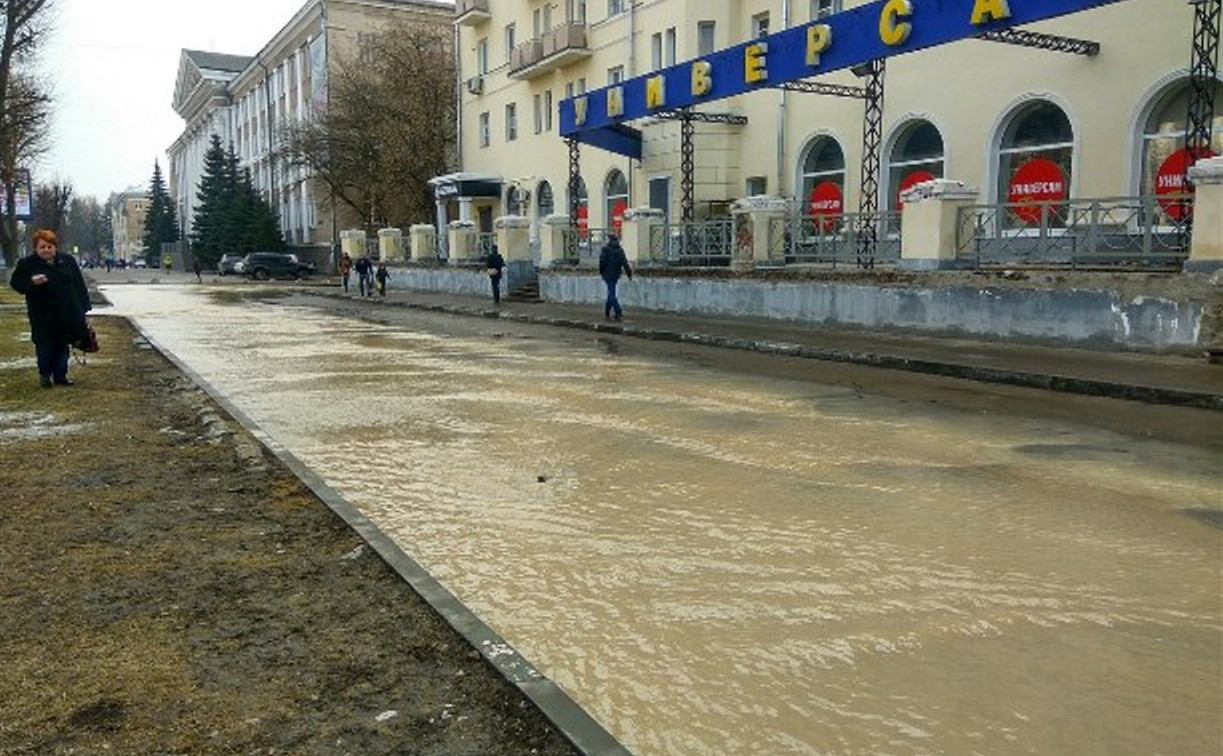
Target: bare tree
{"x":24,"y":105}
{"x":389,"y":127}
{"x":51,"y":203}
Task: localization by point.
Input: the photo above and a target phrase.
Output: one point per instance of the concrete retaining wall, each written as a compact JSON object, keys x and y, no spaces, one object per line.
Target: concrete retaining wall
{"x":459,"y":280}
{"x":1074,"y":317}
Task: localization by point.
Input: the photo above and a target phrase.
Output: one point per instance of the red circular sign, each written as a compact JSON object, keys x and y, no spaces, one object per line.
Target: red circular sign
{"x":912,"y":178}
{"x":1169,"y":186}
{"x":1038,"y":180}
{"x":617,"y":215}
{"x":824,"y":204}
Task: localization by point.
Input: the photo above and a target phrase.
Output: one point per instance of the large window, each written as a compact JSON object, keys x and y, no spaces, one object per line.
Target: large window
{"x":917,"y":156}
{"x":617,"y":200}
{"x":615,"y":7}
{"x":1034,"y":161}
{"x":1163,"y":143}
{"x":511,"y":122}
{"x":760,"y":25}
{"x":705,"y":37}
{"x":510,"y":41}
{"x":823,"y":182}
{"x":482,"y":56}
{"x":583,"y":207}
{"x":484,"y":129}
{"x":824,"y":8}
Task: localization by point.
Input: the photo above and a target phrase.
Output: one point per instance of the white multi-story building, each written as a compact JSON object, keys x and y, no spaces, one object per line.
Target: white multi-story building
{"x":246,"y":99}
{"x":128,"y":211}
{"x":973,"y":110}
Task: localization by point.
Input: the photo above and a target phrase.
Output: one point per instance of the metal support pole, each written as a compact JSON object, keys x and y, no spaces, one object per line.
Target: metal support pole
{"x":686,"y":182}
{"x":872,"y":141}
{"x":1203,"y":68}
{"x":575,"y":201}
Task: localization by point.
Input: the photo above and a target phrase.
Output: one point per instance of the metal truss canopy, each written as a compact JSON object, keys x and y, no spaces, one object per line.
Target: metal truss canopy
{"x":701,"y":117}
{"x":1039,"y":41}
{"x":815,"y":87}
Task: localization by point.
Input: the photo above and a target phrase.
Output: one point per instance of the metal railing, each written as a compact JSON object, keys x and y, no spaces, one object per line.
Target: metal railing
{"x":836,"y":239}
{"x":702,"y":244}
{"x":582,"y":246}
{"x":1137,"y":232}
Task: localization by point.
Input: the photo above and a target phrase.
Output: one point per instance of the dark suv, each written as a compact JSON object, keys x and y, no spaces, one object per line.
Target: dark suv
{"x":265,"y":265}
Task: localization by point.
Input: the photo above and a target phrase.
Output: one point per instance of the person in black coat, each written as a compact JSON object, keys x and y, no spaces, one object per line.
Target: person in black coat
{"x":365,"y":276}
{"x":496,"y":264}
{"x":612,"y":261}
{"x":56,"y":301}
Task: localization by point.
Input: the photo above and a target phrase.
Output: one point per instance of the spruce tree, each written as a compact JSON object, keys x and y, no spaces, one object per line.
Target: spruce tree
{"x":160,"y":223}
{"x":212,"y":233}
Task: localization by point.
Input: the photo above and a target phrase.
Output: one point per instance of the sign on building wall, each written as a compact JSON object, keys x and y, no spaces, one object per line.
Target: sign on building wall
{"x":23,"y":192}
{"x":318,"y":73}
{"x":869,"y":32}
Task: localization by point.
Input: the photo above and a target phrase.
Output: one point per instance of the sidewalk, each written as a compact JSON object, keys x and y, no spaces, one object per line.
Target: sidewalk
{"x":1153,"y":378}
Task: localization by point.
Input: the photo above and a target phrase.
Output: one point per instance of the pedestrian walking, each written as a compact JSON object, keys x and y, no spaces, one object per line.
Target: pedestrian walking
{"x":496,"y":264}
{"x":612,"y":261}
{"x":364,"y":278}
{"x":195,"y":266}
{"x":381,"y":277}
{"x":345,"y":267}
{"x":56,"y":301}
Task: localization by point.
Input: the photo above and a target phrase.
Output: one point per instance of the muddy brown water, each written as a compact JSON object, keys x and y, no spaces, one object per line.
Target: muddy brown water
{"x":712,"y":562}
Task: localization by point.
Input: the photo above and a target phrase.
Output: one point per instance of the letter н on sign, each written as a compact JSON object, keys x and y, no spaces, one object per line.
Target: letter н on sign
{"x":859,"y":35}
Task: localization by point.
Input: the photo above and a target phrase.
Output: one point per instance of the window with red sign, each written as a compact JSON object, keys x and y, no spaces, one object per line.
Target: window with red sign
{"x":1164,"y":156}
{"x":1034,"y":159}
{"x":617,"y":201}
{"x":823,"y":184}
{"x":917,"y":156}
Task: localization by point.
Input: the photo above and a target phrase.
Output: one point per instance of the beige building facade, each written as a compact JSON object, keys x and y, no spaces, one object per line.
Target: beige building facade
{"x":127,"y":215}
{"x":974,"y":110}
{"x":246,"y":100}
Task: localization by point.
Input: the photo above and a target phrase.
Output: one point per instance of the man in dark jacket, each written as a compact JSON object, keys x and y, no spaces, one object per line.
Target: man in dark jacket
{"x":56,"y":301}
{"x":612,"y":261}
{"x":496,"y":264}
{"x":365,"y":276}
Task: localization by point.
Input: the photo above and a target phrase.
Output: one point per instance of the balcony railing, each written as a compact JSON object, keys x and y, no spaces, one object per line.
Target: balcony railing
{"x":471,"y":12}
{"x":554,"y":49}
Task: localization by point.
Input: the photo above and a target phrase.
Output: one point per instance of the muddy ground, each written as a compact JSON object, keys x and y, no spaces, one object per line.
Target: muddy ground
{"x":169,"y":587}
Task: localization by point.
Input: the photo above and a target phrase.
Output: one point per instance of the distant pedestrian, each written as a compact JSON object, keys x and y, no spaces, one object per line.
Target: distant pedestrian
{"x":56,"y":301}
{"x":612,"y":261}
{"x":345,"y":266}
{"x":381,"y":277}
{"x":110,"y":263}
{"x":195,"y":266}
{"x":496,"y":264}
{"x":364,"y":278}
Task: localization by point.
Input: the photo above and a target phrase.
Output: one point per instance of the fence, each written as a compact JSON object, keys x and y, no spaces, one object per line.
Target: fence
{"x":705,"y":244}
{"x":582,"y":246}
{"x":838,"y":239}
{"x":1138,"y":232}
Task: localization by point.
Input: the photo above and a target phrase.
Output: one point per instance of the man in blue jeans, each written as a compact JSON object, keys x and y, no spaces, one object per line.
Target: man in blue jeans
{"x":611,"y":262}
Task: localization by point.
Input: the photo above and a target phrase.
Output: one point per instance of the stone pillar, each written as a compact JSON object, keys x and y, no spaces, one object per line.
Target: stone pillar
{"x":465,"y":208}
{"x":462,"y":237}
{"x":760,"y":225}
{"x":390,"y":245}
{"x":1206,"y":246}
{"x":513,"y":237}
{"x":443,"y":221}
{"x":423,"y":238}
{"x":637,"y":231}
{"x":552,"y":239}
{"x":928,"y":223}
{"x":352,"y":241}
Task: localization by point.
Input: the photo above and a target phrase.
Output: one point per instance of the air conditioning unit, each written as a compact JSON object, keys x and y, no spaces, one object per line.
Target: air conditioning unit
{"x":475,"y":85}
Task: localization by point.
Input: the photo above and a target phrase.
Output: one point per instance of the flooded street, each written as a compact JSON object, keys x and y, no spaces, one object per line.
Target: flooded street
{"x":712,"y":562}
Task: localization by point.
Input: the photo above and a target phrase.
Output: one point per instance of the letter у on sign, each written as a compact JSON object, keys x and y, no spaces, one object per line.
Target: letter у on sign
{"x":859,"y":35}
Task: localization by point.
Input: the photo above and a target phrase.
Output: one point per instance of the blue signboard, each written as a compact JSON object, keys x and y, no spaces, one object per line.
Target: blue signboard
{"x":869,"y":32}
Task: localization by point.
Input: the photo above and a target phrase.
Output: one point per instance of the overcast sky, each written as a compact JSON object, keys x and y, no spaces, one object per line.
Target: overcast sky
{"x":113,"y":65}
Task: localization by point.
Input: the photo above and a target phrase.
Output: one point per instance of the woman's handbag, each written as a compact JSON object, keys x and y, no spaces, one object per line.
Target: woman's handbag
{"x":88,"y":342}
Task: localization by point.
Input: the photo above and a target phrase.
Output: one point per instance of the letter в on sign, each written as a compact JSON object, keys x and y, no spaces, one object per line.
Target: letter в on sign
{"x":702,"y":78}
{"x":989,"y":10}
{"x":819,"y":38}
{"x":755,"y":62}
{"x":893,"y":31}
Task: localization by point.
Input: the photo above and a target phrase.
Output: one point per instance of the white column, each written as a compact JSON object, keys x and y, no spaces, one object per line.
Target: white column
{"x":423,"y":239}
{"x":637,"y":231}
{"x":928,"y":225}
{"x":513,"y":237}
{"x":1206,"y":246}
{"x":552,"y":239}
{"x":465,"y":209}
{"x":759,"y":224}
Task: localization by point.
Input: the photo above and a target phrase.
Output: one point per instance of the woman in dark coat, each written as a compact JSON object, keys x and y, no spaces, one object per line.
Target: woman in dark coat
{"x":56,"y":301}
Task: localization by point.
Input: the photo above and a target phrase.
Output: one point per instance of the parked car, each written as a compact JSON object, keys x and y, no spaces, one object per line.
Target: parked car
{"x":265,"y":265}
{"x":228,"y":264}
{"x":303,"y":268}
{"x":140,"y":262}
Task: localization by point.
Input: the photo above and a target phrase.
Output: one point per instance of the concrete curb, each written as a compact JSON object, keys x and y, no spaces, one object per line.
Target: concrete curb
{"x":1048,"y":382}
{"x":574,"y":723}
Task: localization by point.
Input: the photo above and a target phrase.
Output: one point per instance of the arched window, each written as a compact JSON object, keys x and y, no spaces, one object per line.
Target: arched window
{"x":823,"y":181}
{"x":917,"y":156}
{"x":1034,"y":159}
{"x":617,"y":200}
{"x":1163,"y":145}
{"x":543,"y":203}
{"x":515,"y":201}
